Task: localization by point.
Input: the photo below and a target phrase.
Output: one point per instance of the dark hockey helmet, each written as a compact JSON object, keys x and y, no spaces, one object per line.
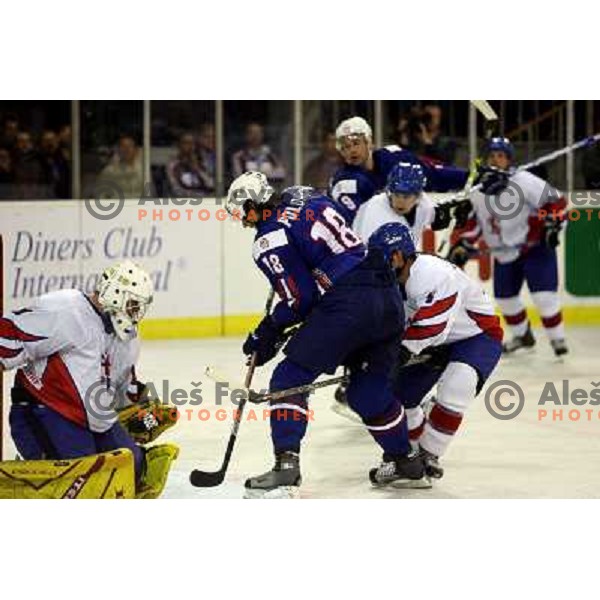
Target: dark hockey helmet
{"x":390,"y":238}
{"x":499,"y":144}
{"x":406,"y":178}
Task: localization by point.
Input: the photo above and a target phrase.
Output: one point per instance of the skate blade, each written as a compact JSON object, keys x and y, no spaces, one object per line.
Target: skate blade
{"x":345,"y":411}
{"x":407,"y":484}
{"x":412,"y":484}
{"x":288,"y":492}
{"x":519,"y":352}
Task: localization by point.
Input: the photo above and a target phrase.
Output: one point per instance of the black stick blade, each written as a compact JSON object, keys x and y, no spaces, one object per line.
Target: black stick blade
{"x":206,"y":479}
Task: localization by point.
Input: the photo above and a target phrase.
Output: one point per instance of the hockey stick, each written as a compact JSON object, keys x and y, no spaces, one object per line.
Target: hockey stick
{"x":484,"y":107}
{"x":463,"y":194}
{"x":584,"y":143}
{"x":200,"y":478}
{"x":491,"y":120}
{"x":258,"y":397}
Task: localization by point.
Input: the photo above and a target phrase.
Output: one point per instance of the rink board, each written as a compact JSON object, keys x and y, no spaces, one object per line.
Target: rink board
{"x":200,"y":261}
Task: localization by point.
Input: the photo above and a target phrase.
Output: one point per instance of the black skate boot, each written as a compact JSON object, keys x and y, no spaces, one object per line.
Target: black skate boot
{"x":433,"y":470}
{"x":281,"y":482}
{"x":401,"y":472}
{"x":519,"y":341}
{"x":559,"y":347}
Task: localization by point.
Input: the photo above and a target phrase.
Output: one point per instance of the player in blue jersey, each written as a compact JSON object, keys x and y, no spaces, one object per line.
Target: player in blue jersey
{"x":351,"y":314}
{"x":366,"y":171}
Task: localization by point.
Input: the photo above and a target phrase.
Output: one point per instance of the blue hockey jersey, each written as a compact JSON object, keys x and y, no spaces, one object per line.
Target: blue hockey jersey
{"x":303,"y":246}
{"x":352,"y":185}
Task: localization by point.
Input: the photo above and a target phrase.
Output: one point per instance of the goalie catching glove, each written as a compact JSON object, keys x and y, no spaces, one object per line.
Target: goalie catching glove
{"x":146,"y":420}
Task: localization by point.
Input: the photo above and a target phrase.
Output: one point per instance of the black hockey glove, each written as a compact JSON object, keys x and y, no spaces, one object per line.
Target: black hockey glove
{"x":462,"y":212}
{"x":460,"y":253}
{"x":266,"y":340}
{"x":552,"y":228}
{"x":435,"y":357}
{"x":442,"y":217}
{"x":492,"y":180}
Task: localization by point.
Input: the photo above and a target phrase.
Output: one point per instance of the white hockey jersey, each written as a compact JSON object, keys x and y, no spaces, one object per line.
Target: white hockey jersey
{"x":66,"y":359}
{"x":443,"y":305}
{"x":508,"y":222}
{"x":377,"y":212}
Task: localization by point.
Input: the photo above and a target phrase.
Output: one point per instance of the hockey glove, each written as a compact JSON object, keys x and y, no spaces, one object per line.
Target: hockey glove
{"x":552,"y":228}
{"x":266,"y":340}
{"x":461,"y":213}
{"x":435,"y":357}
{"x":461,"y":252}
{"x":442,"y":217}
{"x":492,"y":180}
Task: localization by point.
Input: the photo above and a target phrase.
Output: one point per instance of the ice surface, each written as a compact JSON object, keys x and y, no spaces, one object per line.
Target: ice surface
{"x":519,"y":458}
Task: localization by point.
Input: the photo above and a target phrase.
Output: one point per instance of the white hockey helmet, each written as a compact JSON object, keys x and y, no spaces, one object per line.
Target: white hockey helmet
{"x":125,"y":292}
{"x":354,"y":126}
{"x":251,"y":185}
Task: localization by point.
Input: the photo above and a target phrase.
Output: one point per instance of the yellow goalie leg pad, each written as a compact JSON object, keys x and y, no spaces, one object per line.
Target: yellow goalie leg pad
{"x":106,"y":475}
{"x":158,"y":464}
{"x":134,"y":419}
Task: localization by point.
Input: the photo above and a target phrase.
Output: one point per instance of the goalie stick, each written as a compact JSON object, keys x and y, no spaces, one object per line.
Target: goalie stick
{"x":200,"y":478}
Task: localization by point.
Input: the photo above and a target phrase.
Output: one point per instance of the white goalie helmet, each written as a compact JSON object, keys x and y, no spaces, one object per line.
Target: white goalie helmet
{"x":125,"y":293}
{"x":354,"y":126}
{"x":251,"y":185}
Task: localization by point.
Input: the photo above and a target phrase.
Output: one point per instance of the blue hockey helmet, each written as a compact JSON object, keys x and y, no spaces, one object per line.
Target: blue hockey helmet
{"x":392,"y":237}
{"x":500,"y":144}
{"x":406,"y":178}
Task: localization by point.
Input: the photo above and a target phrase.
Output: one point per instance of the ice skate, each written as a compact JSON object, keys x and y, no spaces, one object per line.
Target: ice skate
{"x":280,"y":483}
{"x":559,"y":347}
{"x":525,"y":341}
{"x":433,"y":469}
{"x":401,"y":472}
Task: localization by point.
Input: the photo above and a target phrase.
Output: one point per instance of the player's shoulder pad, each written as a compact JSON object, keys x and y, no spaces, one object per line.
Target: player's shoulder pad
{"x":269,"y":239}
{"x":428,"y":274}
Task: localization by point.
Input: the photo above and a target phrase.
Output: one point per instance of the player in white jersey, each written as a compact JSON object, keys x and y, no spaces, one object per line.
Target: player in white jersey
{"x":403,"y":201}
{"x":519,"y":216}
{"x":453,"y":339}
{"x":74,"y":357}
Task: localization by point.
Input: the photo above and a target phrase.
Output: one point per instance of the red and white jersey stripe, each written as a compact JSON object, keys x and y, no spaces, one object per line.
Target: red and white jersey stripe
{"x":443,"y":305}
{"x":65,"y":358}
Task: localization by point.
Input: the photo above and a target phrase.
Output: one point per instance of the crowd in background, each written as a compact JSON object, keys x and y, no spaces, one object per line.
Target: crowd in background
{"x":34,"y":166}
{"x":38,"y":165}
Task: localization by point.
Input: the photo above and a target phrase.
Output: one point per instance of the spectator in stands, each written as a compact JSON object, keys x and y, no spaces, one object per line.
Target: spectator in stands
{"x":124,"y":174}
{"x":206,"y":150}
{"x":55,"y":169}
{"x":402,"y":138}
{"x":321,"y":168}
{"x":442,"y":147}
{"x":257,"y":156}
{"x":64,"y":141}
{"x":10,"y":130}
{"x":186,"y":174}
{"x":421,"y":133}
{"x":28,"y":169}
{"x":7,"y":175}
